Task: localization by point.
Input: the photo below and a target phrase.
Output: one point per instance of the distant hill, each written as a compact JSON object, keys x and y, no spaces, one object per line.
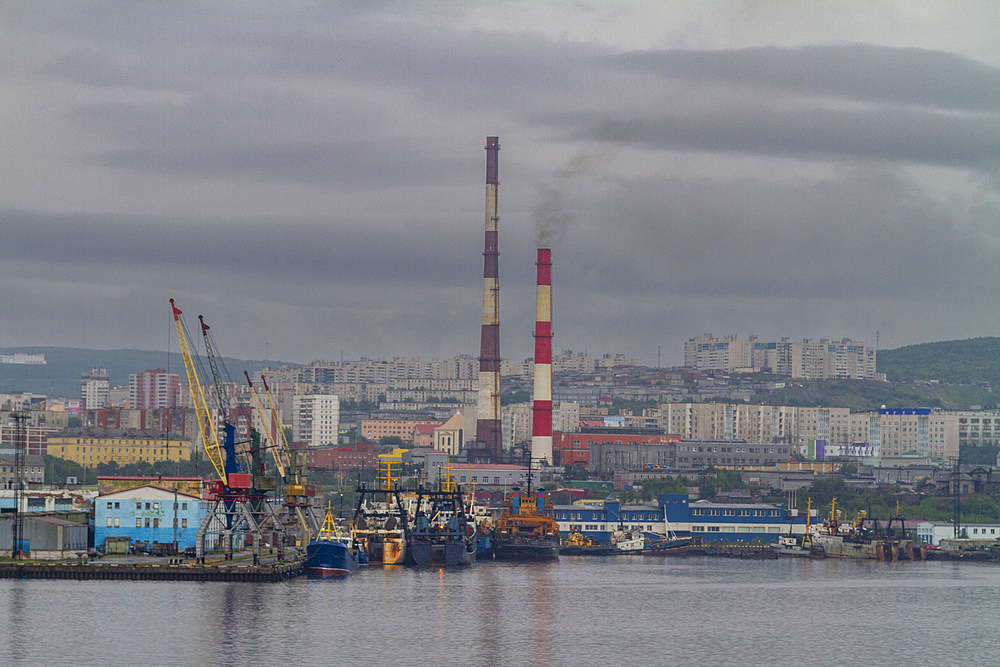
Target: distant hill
{"x":952,"y":375}
{"x":954,"y":362}
{"x":60,"y":376}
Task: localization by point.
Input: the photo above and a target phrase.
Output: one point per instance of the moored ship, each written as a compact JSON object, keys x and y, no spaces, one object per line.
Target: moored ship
{"x":380,"y":526}
{"x":332,"y":554}
{"x":443,"y":534}
{"x":522,"y":531}
{"x":864,"y":539}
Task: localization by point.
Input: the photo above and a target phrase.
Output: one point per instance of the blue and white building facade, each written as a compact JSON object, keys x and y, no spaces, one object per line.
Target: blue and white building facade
{"x":673,"y":513}
{"x":147,"y":514}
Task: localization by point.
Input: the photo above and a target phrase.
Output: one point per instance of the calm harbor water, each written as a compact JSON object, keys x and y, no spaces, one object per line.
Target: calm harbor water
{"x":627,"y":610}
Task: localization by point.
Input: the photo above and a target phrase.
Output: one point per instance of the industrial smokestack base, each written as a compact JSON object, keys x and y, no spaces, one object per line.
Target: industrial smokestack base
{"x":488,"y":428}
{"x":541,"y":418}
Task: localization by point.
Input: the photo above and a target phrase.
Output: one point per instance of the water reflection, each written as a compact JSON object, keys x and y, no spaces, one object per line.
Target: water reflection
{"x":589,"y":611}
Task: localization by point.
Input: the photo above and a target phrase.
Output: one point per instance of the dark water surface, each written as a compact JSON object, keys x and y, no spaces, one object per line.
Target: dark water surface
{"x":590,"y":611}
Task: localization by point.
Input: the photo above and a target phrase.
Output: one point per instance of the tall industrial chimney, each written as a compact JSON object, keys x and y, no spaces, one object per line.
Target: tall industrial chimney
{"x":488,"y":429}
{"x":541,"y":421}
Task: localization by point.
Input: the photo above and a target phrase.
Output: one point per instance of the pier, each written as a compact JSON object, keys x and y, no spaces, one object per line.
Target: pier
{"x":229,"y":571}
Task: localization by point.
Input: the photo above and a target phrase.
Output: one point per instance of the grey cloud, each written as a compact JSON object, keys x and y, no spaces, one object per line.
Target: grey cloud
{"x":867,"y":235}
{"x":905,"y":135}
{"x":292,"y":251}
{"x":864,"y":72}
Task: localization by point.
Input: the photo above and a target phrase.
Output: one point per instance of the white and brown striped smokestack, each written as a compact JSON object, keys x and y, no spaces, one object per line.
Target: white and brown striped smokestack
{"x":541,"y":420}
{"x":488,"y":428}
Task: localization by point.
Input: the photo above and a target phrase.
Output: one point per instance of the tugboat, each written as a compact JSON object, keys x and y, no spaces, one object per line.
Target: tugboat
{"x":443,"y":534}
{"x":578,"y":544}
{"x":522,"y":531}
{"x":332,"y":553}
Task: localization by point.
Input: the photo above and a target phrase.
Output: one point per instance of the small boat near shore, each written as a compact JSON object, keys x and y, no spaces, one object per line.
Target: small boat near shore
{"x":578,"y":544}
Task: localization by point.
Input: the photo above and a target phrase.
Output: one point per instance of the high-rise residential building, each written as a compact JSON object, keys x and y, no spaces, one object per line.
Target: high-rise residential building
{"x":316,"y":419}
{"x":155,"y":388}
{"x":95,"y":386}
{"x":805,"y":359}
{"x":887,"y":432}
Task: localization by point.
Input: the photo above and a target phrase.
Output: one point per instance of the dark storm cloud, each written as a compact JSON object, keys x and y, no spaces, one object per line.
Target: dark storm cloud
{"x":862,"y":72}
{"x":292,"y":251}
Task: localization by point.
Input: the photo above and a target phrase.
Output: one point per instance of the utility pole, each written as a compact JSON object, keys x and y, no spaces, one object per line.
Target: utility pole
{"x":957,"y":490}
{"x":20,"y":445}
{"x":175,"y":515}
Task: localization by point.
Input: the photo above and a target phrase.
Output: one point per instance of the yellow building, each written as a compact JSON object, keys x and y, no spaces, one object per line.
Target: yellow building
{"x":89,"y":450}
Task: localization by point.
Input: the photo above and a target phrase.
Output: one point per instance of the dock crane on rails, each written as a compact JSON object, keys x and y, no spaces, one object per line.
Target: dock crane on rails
{"x":238,"y":498}
{"x":286,"y":461}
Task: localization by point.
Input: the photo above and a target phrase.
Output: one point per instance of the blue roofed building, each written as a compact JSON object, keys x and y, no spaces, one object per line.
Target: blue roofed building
{"x":673,"y":513}
{"x":147,"y":514}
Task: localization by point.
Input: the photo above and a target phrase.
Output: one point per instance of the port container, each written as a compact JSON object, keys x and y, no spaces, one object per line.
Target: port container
{"x":240,"y":480}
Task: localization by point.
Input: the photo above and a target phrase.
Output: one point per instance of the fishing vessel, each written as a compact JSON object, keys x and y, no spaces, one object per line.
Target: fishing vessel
{"x":626,"y":541}
{"x":332,"y":554}
{"x":380,"y":526}
{"x":864,"y":539}
{"x":668,"y":546}
{"x":443,"y":534}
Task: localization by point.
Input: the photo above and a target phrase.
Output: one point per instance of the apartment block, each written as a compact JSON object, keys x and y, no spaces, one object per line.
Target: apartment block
{"x":154,"y":388}
{"x":804,"y":359}
{"x":316,"y":419}
{"x":95,"y":386}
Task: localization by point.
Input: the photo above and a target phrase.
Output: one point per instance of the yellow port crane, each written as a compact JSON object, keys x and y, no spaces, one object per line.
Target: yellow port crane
{"x":297,"y":492}
{"x":238,"y":500}
{"x":206,"y":424}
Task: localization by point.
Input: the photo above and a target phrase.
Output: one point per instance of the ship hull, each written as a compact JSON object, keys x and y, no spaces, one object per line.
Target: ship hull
{"x":678,"y":547}
{"x":431,"y":553}
{"x":387,"y":550}
{"x":587,"y":550}
{"x":326,"y":559}
{"x":526,"y":550}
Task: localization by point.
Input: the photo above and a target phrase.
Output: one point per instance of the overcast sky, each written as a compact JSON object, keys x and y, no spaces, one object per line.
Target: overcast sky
{"x":310,"y":176}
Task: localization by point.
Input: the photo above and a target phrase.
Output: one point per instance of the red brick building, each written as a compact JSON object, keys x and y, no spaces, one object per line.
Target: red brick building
{"x":574,"y":448}
{"x":362,"y":457}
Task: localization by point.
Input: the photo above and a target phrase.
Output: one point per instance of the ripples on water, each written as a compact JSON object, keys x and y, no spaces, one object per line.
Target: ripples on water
{"x":625,"y":610}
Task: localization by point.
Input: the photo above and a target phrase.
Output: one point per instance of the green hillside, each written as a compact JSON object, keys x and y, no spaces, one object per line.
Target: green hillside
{"x":60,"y":376}
{"x":860,"y":395}
{"x":951,"y":375}
{"x":954,"y":362}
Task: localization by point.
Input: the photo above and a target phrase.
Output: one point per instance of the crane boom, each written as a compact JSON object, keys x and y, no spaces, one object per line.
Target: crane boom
{"x":278,"y":452}
{"x":206,"y":425}
{"x":274,"y":413}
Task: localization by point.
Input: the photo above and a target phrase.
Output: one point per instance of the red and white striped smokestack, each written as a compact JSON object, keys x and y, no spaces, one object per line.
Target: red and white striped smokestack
{"x":488,"y":429}
{"x":541,"y":421}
